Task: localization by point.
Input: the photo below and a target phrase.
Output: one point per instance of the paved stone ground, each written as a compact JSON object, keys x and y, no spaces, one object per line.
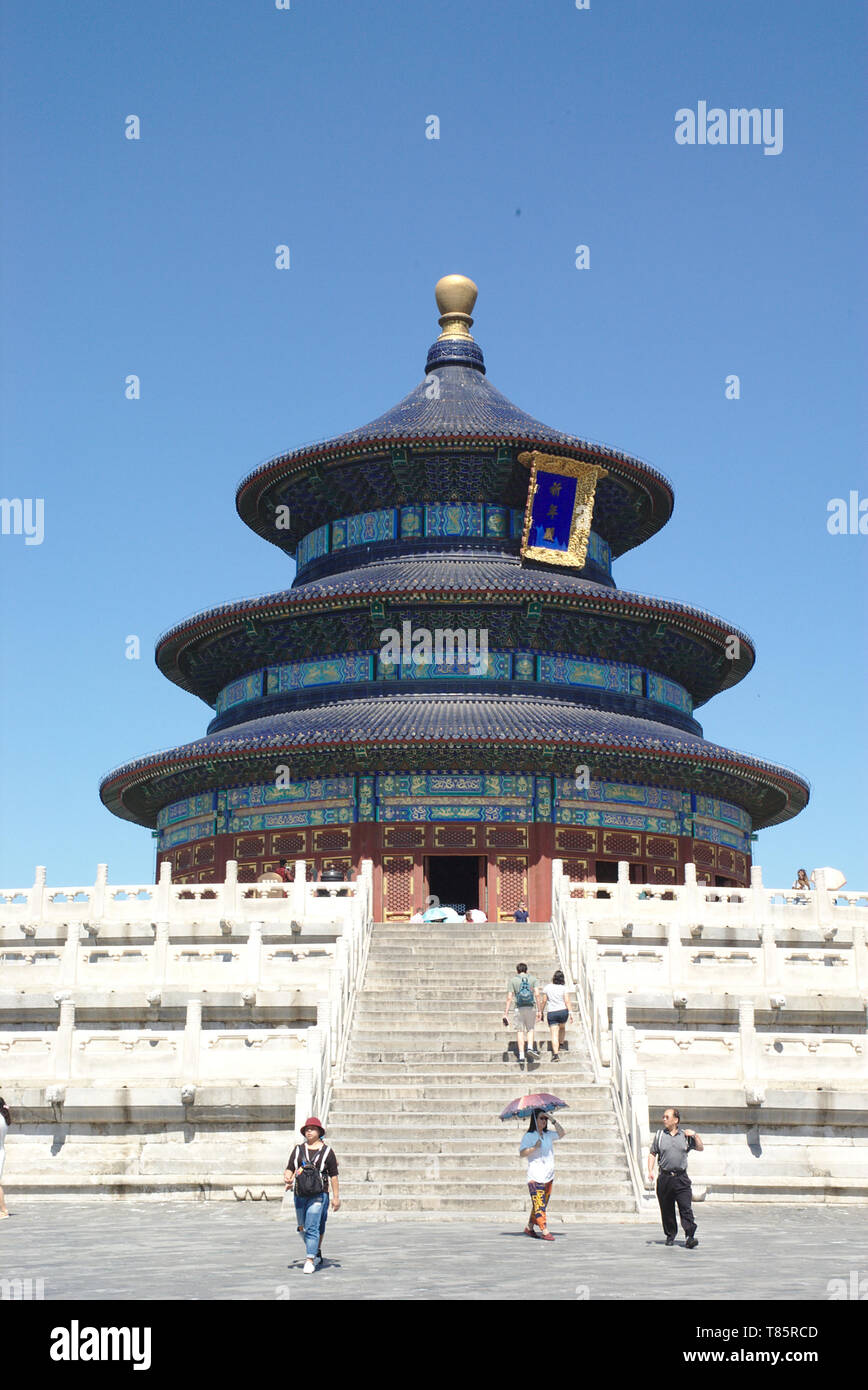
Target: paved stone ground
{"x":227,"y":1250}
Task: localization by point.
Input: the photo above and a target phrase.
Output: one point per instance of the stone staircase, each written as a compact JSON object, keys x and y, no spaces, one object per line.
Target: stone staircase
{"x":414,"y":1118}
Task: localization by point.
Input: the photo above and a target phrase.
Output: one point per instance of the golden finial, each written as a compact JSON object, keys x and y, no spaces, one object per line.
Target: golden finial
{"x":456,"y":296}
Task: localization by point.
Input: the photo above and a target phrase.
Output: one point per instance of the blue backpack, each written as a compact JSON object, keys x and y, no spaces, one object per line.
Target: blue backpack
{"x":524,"y":997}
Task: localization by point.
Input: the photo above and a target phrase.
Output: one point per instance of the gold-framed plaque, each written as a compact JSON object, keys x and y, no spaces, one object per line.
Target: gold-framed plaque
{"x":560,"y":505}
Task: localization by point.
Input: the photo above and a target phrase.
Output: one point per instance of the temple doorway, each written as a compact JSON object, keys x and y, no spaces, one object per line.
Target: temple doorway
{"x":455,"y":880}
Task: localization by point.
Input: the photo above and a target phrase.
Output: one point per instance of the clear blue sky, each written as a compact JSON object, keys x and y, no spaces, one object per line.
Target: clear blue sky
{"x":307,"y":127}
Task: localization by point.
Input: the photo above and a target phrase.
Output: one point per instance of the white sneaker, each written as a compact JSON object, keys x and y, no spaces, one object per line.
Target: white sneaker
{"x":309,"y":1266}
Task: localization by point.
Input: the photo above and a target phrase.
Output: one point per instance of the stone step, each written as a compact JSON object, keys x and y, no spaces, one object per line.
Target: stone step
{"x":510,"y":940}
{"x":405,"y":1130}
{"x":446,"y":958}
{"x":473,"y":984}
{"x":493,"y":1183}
{"x":487,"y":1207}
{"x":482,"y":1100}
{"x":433,"y":991}
{"x":387,"y":975}
{"x":443,"y":952}
{"x":385,"y":999}
{"x":481,"y":1035}
{"x":467,"y":1085}
{"x":504,"y":1155}
{"x":465,"y":932}
{"x":375,"y":1146}
{"x":460,"y":1113}
{"x":499,"y":1066}
{"x":467,"y":1049}
{"x":388,"y":1065}
{"x":442,"y":1024}
{"x":401,"y":1000}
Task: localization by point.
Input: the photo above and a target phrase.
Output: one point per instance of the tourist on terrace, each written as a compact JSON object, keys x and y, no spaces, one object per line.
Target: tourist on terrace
{"x":670,"y":1146}
{"x":310,"y":1168}
{"x":559,"y":1011}
{"x":5,"y":1119}
{"x":475,"y":915}
{"x":536,"y":1146}
{"x":802,"y":881}
{"x":520,"y":914}
{"x":522,"y":992}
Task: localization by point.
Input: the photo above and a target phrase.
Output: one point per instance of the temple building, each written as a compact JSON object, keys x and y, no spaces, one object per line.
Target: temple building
{"x":454,"y":687}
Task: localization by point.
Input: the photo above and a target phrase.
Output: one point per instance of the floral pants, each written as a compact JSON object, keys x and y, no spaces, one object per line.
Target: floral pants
{"x":539,"y":1200}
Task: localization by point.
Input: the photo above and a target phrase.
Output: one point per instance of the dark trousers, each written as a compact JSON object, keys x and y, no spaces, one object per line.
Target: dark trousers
{"x":672,"y":1188}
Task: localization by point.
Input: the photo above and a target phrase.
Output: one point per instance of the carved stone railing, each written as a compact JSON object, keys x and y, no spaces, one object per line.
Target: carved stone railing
{"x":327,"y":1042}
{"x":611,"y":1057}
{"x":691,"y":937}
{"x":661,"y":949}
{"x":99,"y":940}
{"x":100,"y":905}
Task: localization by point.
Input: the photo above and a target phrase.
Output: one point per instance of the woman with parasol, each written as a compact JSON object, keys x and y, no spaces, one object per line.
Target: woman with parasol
{"x":537,"y":1147}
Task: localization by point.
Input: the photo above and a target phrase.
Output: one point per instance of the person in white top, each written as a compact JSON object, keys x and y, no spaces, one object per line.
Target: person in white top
{"x":4,"y":1125}
{"x":559,"y":1010}
{"x":536,"y":1147}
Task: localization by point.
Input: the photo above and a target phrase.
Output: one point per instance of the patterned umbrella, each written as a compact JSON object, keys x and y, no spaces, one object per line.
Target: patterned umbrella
{"x":524,"y":1107}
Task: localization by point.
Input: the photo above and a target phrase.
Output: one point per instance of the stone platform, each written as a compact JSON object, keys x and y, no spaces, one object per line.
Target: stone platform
{"x":203,"y":1251}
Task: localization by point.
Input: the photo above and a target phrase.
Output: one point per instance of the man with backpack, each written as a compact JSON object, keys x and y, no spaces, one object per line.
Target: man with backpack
{"x":670,"y":1146}
{"x":522,"y":991}
{"x":309,"y":1169}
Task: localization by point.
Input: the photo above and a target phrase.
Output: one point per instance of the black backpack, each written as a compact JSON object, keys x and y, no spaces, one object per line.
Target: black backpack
{"x":309,"y":1182}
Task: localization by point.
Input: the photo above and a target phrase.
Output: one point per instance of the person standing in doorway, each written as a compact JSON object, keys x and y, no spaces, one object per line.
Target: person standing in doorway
{"x":522,"y":991}
{"x":536,"y":1146}
{"x":520,"y":914}
{"x":670,"y":1146}
{"x":559,"y":1011}
{"x":310,"y":1168}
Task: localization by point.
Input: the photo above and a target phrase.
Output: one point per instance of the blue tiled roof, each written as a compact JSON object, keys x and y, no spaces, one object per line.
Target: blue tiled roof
{"x":444,"y":721}
{"x":475,"y":575}
{"x":456,"y":401}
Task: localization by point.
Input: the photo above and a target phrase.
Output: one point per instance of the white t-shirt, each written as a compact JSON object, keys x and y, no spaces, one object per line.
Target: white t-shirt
{"x":541,"y":1166}
{"x":555,"y":997}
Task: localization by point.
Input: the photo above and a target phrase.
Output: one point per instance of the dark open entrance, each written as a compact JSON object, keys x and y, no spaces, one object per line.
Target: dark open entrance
{"x":454,"y":879}
{"x":607,"y":871}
